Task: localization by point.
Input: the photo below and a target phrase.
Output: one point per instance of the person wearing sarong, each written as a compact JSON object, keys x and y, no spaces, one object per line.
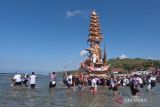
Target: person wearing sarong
{"x":52,"y":83}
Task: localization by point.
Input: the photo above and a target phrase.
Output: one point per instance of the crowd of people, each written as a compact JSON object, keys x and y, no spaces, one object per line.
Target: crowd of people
{"x":113,"y":82}
{"x":134,"y":82}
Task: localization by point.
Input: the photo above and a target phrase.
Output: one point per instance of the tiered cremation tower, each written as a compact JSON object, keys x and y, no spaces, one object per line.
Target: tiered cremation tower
{"x":95,"y":38}
{"x":95,"y":63}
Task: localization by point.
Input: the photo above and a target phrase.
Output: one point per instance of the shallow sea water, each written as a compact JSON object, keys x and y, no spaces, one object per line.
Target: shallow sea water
{"x":42,"y":96}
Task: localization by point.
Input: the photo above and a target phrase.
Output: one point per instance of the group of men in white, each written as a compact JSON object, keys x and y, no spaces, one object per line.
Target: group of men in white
{"x":18,"y":80}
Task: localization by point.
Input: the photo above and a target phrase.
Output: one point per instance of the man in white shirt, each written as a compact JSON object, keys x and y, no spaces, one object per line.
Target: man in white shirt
{"x":140,"y":82}
{"x":69,"y":80}
{"x":153,"y":81}
{"x":94,"y":85}
{"x":33,"y":80}
{"x":17,"y":79}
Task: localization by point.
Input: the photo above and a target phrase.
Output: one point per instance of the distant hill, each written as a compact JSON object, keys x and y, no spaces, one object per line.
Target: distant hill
{"x":135,"y":63}
{"x":129,"y":64}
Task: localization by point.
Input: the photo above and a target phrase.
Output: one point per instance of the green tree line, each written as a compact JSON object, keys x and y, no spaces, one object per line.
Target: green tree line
{"x":135,"y":63}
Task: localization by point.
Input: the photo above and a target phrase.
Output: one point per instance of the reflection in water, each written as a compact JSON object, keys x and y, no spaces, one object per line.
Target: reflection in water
{"x":42,"y":96}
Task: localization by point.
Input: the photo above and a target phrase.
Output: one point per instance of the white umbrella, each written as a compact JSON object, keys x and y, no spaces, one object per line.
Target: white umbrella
{"x":84,"y":52}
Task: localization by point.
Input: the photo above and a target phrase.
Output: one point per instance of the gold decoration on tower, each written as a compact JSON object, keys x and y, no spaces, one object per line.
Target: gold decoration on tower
{"x":94,"y":64}
{"x":95,"y":37}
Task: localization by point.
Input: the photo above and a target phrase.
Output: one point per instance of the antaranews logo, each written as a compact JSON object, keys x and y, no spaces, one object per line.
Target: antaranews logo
{"x":135,"y":99}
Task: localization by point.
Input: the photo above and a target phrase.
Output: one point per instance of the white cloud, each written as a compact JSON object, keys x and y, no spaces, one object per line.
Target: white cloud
{"x":123,"y":57}
{"x":149,"y":58}
{"x":73,"y":13}
{"x":85,"y":14}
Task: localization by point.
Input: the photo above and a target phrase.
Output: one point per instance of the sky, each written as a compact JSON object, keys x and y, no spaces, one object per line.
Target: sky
{"x":48,"y":35}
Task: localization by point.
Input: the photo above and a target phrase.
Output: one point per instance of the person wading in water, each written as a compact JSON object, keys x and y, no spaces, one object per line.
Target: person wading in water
{"x":33,"y":80}
{"x":69,"y":81}
{"x":93,"y":85}
{"x":52,"y":83}
{"x":17,"y":80}
{"x":134,"y":82}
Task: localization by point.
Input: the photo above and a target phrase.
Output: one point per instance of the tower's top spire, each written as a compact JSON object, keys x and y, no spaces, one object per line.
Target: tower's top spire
{"x":94,"y":12}
{"x":95,"y":31}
